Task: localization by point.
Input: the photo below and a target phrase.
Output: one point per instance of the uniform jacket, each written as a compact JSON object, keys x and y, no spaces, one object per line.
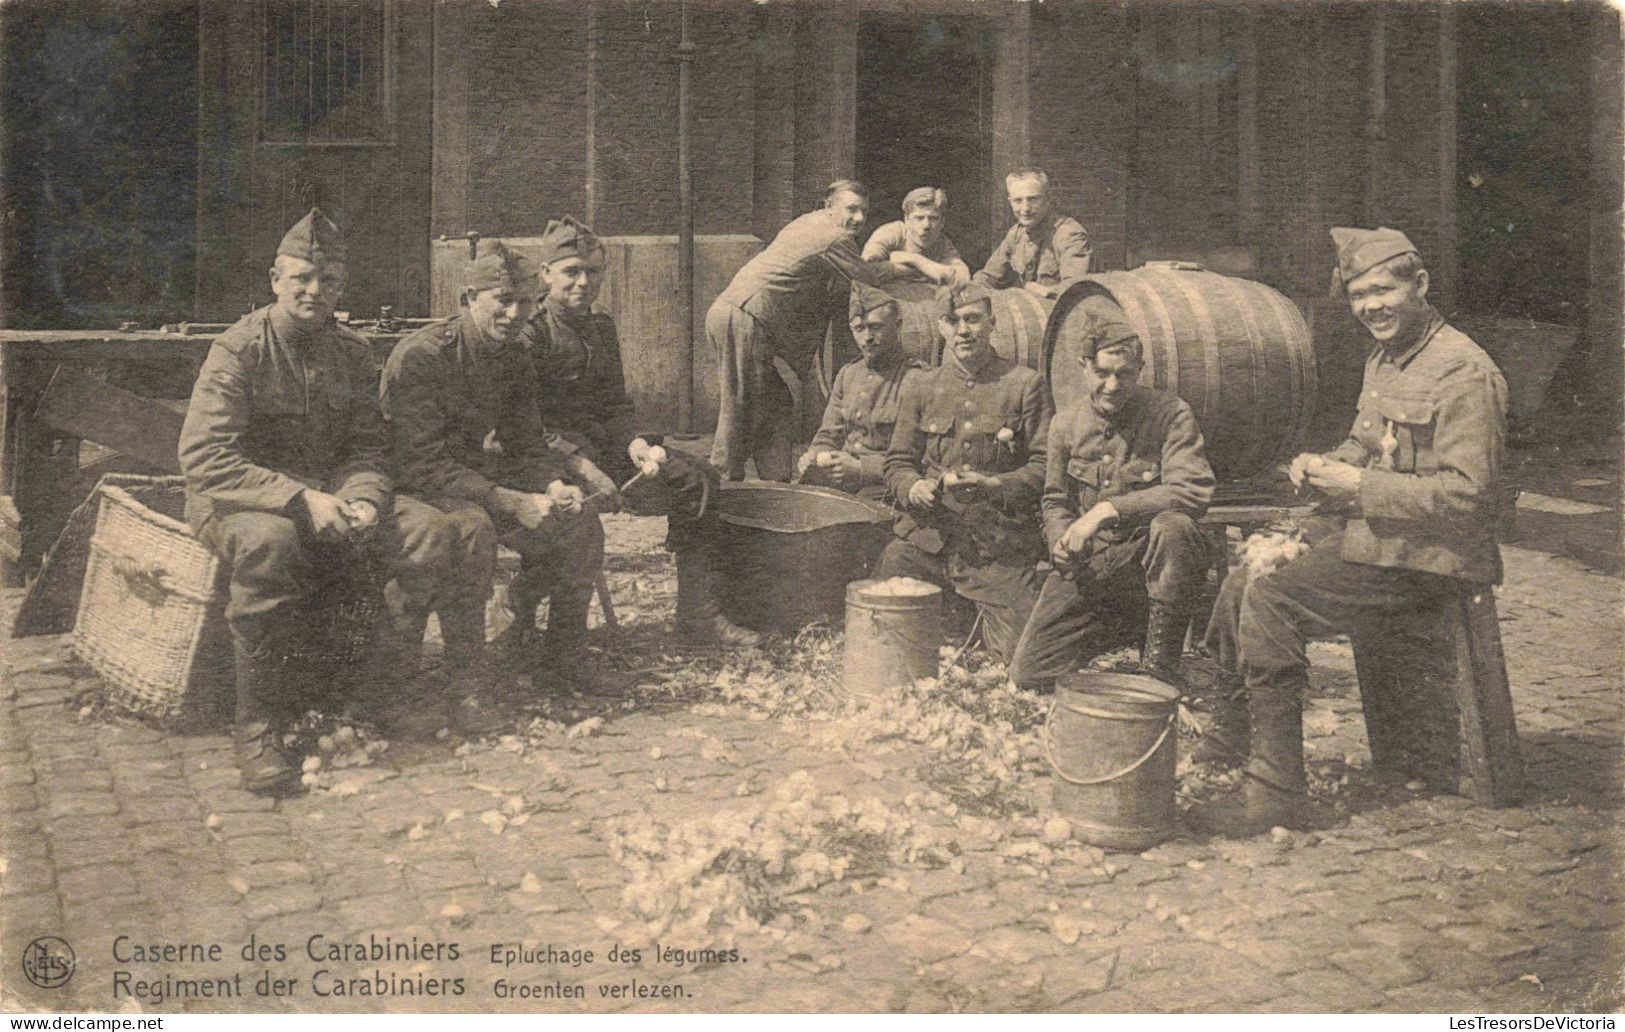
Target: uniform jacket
{"x":862,"y":412}
{"x":1429,"y":434}
{"x":582,"y":385}
{"x":798,"y":281}
{"x":1055,"y":253}
{"x":1145,"y":459}
{"x":949,"y":419}
{"x":446,"y":391}
{"x":893,"y":236}
{"x":274,"y":412}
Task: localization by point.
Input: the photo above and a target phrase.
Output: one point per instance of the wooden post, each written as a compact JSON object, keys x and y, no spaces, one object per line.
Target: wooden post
{"x":685,"y":226}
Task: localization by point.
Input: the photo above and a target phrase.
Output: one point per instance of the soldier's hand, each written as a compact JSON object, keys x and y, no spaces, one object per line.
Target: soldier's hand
{"x":923,"y":493}
{"x":362,"y":514}
{"x":846,"y":470}
{"x":328,"y":518}
{"x":1338,"y":480}
{"x":804,"y":462}
{"x":566,"y":498}
{"x":1301,"y":465}
{"x":532,"y":510}
{"x":606,"y":497}
{"x":1077,"y":536}
{"x":1040,"y":290}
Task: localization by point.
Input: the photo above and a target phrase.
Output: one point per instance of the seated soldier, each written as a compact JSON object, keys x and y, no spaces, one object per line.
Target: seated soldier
{"x":920,"y":233}
{"x":966,"y":461}
{"x":460,"y":399}
{"x":849,"y":450}
{"x":583,"y":399}
{"x":1414,"y":504}
{"x":1043,"y":252}
{"x":285,"y":457}
{"x":1127,"y":478}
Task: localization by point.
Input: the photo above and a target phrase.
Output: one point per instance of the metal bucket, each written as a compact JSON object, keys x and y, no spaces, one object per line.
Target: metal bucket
{"x":1111,"y":743}
{"x":788,"y":551}
{"x":891,"y":639}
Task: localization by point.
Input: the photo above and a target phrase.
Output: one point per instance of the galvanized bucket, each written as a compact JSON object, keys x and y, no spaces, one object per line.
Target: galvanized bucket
{"x":891,"y":639}
{"x":1111,"y":743}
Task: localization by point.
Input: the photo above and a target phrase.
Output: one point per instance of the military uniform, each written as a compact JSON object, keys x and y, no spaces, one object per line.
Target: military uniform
{"x":582,"y":386}
{"x":1146,"y":459}
{"x":950,"y":418}
{"x":278,"y":408}
{"x":778,"y":306}
{"x":1428,"y":436}
{"x":463,"y":421}
{"x":893,"y":236}
{"x":1055,"y":253}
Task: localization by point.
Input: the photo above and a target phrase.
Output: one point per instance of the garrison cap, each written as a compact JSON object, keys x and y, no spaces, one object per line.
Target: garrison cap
{"x":313,"y":238}
{"x":866,"y":299}
{"x":1104,"y":326}
{"x":949,"y":299}
{"x":1361,"y":250}
{"x":925,"y":197}
{"x":495,"y":267}
{"x":567,"y":238}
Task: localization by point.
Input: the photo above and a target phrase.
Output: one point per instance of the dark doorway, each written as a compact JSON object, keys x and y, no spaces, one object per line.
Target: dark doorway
{"x":924,"y":119}
{"x":100,"y":177}
{"x":1523,"y":160}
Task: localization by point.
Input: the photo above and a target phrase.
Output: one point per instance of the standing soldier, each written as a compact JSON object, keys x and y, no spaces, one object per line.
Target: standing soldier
{"x":1418,"y":478}
{"x":967,"y":462}
{"x":284,"y":453}
{"x":849,"y":450}
{"x":460,"y":397}
{"x":778,"y":306}
{"x":1127,"y":478}
{"x":584,"y":400}
{"x":1042,"y":252}
{"x":920,"y":232}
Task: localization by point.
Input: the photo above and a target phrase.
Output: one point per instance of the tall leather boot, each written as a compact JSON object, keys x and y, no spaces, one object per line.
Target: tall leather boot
{"x":473,"y":681}
{"x":399,"y":697}
{"x":1222,"y":715}
{"x":1164,"y":648}
{"x":267,"y":768}
{"x":700,"y":622}
{"x":1275,"y":791}
{"x":565,"y":662}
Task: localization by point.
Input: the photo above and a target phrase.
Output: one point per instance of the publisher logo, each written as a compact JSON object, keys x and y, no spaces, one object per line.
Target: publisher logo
{"x":48,"y":962}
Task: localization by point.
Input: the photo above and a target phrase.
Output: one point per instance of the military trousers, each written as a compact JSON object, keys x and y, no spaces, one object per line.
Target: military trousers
{"x":756,"y":410}
{"x":1004,"y":592}
{"x":280,"y":574}
{"x":1100,"y":603}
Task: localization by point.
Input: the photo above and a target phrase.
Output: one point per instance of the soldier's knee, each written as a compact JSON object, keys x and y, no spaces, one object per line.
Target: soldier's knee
{"x":1175,"y":527}
{"x":263,"y":541}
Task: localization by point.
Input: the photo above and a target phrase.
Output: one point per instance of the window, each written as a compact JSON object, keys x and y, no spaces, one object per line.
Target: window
{"x":326,"y":72}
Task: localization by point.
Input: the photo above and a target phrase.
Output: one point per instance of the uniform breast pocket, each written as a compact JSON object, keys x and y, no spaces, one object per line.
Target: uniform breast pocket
{"x":940,"y":443}
{"x":1049,"y":266}
{"x":1085,"y":473}
{"x":1405,"y":444}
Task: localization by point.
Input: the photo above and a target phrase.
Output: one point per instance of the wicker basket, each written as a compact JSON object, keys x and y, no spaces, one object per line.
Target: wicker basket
{"x":150,"y":618}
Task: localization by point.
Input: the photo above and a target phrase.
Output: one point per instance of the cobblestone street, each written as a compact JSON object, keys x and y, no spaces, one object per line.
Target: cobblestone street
{"x":1411,"y":902}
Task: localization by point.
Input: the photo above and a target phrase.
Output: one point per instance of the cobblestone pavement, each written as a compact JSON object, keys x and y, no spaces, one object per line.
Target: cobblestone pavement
{"x":1412,"y":902}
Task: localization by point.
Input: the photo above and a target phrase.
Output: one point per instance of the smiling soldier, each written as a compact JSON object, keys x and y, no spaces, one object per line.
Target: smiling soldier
{"x":285,"y":457}
{"x":1418,"y":478}
{"x":966,"y":460}
{"x":1127,"y":479}
{"x":1043,"y":252}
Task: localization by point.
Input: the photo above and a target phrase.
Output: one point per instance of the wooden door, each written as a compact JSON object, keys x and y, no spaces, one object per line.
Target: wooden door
{"x":314,"y":102}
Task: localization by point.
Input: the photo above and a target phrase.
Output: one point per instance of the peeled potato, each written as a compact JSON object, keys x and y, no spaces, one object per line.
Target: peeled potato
{"x":825,"y":458}
{"x":950,"y":478}
{"x":657,"y":454}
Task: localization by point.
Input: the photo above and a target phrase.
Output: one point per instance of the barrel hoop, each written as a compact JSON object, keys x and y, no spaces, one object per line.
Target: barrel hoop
{"x":1305,"y":379}
{"x":1189,"y":285}
{"x":1049,"y":752}
{"x":1261,"y":444}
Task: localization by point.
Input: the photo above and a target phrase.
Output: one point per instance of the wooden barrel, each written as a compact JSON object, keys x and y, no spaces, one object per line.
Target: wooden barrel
{"x":1018,"y":324}
{"x":1238,"y":352}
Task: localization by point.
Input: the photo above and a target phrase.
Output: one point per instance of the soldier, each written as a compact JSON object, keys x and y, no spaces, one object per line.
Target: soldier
{"x":460,"y":397}
{"x":584,"y":400}
{"x":849,"y":450}
{"x":920,"y":232}
{"x":285,"y":453}
{"x":1127,"y":477}
{"x":967,"y":461}
{"x":778,"y":306}
{"x":1418,"y":481}
{"x":1042,"y":252}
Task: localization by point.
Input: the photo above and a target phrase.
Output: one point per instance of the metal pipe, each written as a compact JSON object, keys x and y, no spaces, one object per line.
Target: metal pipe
{"x":685,"y":229}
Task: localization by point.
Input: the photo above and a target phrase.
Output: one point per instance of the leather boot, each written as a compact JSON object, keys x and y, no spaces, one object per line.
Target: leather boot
{"x":525,"y":593}
{"x":267,"y":768}
{"x":700,"y":623}
{"x":1223,"y":724}
{"x":565,"y":662}
{"x":1275,"y":792}
{"x":1164,"y":647}
{"x":399,"y":697}
{"x":473,"y":680}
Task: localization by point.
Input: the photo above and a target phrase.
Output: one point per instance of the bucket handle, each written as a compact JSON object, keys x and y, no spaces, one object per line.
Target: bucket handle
{"x":1049,"y":753}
